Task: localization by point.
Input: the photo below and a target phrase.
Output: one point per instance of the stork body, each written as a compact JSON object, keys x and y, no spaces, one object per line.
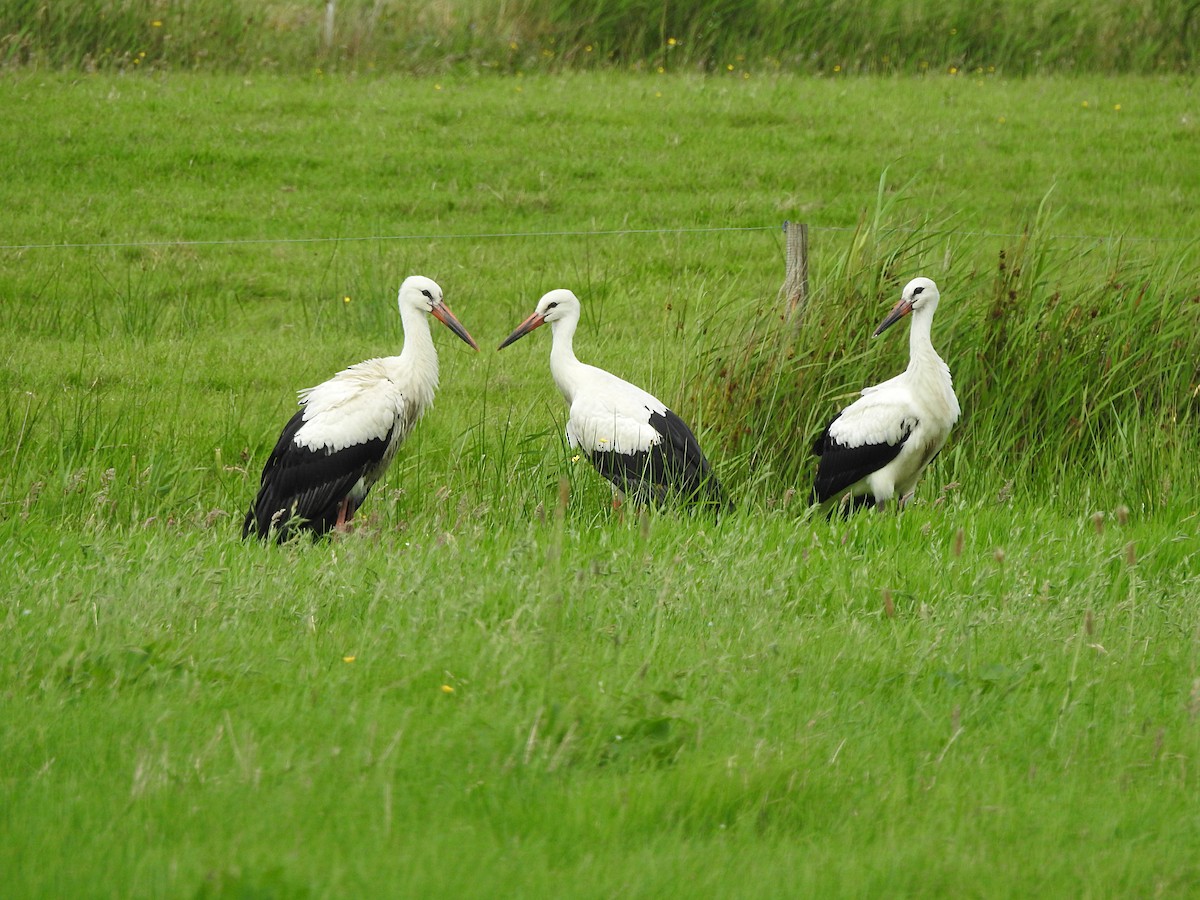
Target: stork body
{"x":348,"y":429}
{"x":631,"y":437}
{"x":876,"y":448}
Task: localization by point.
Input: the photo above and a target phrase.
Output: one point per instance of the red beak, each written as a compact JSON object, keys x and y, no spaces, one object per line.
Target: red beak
{"x":442,"y":313}
{"x":899,"y":311}
{"x":523,"y":329}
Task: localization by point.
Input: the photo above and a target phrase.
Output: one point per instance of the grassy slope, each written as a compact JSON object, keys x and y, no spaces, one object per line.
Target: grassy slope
{"x":178,"y":711}
{"x":626,"y":710}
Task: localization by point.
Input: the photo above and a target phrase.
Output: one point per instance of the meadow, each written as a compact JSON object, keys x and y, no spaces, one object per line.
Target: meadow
{"x":499,"y":685}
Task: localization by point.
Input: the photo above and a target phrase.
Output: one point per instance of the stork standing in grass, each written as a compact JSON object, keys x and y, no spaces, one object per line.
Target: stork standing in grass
{"x":348,"y":428}
{"x":630,"y":436}
{"x":876,"y":448}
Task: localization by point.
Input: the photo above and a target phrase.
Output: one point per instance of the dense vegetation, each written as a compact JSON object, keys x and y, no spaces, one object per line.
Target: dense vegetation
{"x":497,"y":685}
{"x":830,"y":37}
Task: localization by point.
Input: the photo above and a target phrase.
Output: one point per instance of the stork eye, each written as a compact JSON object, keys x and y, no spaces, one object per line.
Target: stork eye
{"x":917,"y":291}
{"x":428,"y":295}
{"x":551,"y":306}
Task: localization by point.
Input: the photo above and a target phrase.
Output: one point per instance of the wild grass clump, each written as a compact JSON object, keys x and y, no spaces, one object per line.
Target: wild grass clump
{"x":822,"y":36}
{"x":1072,"y":363}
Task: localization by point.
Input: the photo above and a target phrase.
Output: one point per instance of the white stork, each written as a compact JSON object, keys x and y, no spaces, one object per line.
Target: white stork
{"x":631,"y":437}
{"x":877,"y":447}
{"x":348,"y":428}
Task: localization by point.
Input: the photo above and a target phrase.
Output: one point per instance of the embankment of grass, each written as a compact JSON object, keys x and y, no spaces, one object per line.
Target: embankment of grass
{"x":830,"y":37}
{"x":477,"y":694}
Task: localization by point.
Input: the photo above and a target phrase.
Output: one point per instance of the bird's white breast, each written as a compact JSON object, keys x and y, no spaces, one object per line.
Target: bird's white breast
{"x":365,"y":402}
{"x":608,"y":413}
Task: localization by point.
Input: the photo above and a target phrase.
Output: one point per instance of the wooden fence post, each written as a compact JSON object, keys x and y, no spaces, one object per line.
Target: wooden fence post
{"x":327,"y":25}
{"x":795,"y":283}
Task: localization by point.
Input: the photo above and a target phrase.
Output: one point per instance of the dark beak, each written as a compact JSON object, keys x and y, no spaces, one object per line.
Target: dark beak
{"x":523,"y":329}
{"x":442,"y":313}
{"x":899,"y":311}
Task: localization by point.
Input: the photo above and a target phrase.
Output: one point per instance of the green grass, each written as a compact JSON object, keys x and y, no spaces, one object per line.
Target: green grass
{"x":828,"y":37}
{"x":995,"y":693}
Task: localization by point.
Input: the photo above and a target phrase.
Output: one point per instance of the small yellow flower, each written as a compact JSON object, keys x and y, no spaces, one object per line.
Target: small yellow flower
{"x":512,"y":45}
{"x":1117,"y":107}
{"x":1085,"y":104}
{"x":660,"y":70}
{"x":349,"y":659}
{"x":345,"y":299}
{"x":837,"y":68}
{"x":157,"y":23}
{"x":954,"y":31}
{"x":1002,"y":120}
{"x":954,"y":70}
{"x":729,"y":67}
{"x":587,"y":49}
{"x":446,"y":689}
{"x":671,"y":42}
{"x":437,"y":87}
{"x":575,"y":458}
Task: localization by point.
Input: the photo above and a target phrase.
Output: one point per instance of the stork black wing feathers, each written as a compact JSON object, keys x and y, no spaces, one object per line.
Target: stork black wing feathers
{"x":675,"y":466}
{"x":305,"y":484}
{"x":841,"y":466}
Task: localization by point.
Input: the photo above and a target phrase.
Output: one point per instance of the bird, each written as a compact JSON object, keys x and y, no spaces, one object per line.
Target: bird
{"x":348,"y":429}
{"x":876,"y":448}
{"x":631,"y":437}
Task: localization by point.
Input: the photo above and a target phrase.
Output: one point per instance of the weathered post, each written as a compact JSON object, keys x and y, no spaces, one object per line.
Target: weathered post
{"x":794,"y":292}
{"x":327,"y":26}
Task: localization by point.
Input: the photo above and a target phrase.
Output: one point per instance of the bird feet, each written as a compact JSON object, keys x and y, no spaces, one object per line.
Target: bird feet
{"x":342,"y":525}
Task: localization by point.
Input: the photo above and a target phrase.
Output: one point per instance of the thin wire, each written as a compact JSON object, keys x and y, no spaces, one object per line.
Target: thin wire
{"x":388,"y":237}
{"x":494,"y":235}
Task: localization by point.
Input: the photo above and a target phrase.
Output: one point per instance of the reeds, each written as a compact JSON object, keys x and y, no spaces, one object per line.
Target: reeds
{"x":1073,"y":364}
{"x":832,"y":37}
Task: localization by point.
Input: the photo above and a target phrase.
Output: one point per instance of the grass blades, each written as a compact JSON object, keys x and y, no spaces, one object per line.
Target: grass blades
{"x":1078,"y":362}
{"x":832,"y":37}
{"x":645,"y":691}
{"x":994,"y":692}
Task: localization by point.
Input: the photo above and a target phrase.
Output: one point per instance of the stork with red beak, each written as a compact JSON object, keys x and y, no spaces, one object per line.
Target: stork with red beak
{"x":631,"y":437}
{"x":349,"y":428}
{"x":876,"y":448}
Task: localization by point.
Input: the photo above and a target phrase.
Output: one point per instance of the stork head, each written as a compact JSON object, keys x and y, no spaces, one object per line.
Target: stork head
{"x":553,"y":307}
{"x":920,"y":293}
{"x":424,"y":294}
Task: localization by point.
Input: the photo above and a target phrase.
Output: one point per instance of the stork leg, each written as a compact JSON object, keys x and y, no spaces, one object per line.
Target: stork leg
{"x":343,"y":516}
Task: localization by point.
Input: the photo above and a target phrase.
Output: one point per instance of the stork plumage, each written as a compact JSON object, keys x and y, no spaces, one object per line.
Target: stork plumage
{"x":876,"y":448}
{"x":348,"y":428}
{"x":630,"y":436}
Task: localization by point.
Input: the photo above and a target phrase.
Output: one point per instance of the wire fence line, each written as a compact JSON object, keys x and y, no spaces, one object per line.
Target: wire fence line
{"x":494,"y":235}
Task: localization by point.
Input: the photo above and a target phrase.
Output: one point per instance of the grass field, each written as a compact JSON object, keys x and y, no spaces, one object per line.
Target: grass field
{"x":482,"y":693}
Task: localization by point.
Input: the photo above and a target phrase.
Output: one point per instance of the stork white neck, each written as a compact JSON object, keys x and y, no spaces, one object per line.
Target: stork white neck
{"x":565,"y":367}
{"x":920,"y":343}
{"x":418,"y":351}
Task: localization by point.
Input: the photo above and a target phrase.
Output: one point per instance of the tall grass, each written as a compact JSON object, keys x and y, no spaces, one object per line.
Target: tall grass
{"x":1076,"y":363}
{"x":825,"y":36}
{"x":967,"y":698}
